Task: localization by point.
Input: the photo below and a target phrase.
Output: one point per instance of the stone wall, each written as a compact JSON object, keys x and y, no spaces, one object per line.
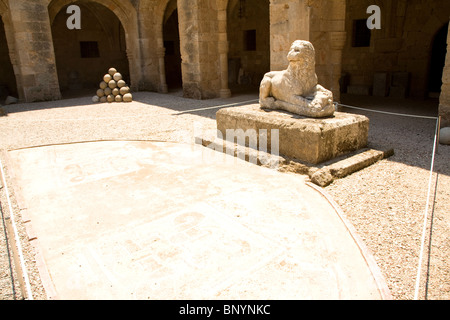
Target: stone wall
{"x":33,"y":59}
{"x":211,"y":36}
{"x":402,"y":45}
{"x":444,"y":105}
{"x":100,"y":26}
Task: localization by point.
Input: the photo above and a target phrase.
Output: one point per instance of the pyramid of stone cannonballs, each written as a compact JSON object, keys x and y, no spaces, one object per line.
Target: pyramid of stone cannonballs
{"x":113,"y":89}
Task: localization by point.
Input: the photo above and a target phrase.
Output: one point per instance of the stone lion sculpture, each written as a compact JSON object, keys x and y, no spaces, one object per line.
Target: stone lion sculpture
{"x":296,"y":89}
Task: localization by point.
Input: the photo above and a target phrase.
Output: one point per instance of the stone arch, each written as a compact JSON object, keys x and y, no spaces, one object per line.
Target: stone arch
{"x":126,"y":13}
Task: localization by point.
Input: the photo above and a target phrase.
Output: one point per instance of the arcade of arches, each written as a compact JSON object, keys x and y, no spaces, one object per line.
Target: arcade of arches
{"x":212,"y":48}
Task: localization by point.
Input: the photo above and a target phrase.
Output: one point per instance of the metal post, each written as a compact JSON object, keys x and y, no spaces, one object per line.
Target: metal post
{"x":438,"y":133}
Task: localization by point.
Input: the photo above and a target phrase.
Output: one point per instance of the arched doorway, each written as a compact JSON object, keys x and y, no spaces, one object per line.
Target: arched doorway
{"x":8,"y":84}
{"x":437,"y":63}
{"x":248,"y":30}
{"x":84,"y":56}
{"x":172,"y":58}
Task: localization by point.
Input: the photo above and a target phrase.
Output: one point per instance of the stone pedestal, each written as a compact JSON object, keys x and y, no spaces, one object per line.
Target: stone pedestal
{"x":306,"y":139}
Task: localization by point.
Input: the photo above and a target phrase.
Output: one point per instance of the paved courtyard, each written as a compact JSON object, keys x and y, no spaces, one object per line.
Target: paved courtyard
{"x":157,"y":220}
{"x":77,"y":196}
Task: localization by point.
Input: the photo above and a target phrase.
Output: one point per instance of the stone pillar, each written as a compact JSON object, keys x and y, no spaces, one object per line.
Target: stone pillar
{"x":444,"y":103}
{"x":289,"y":21}
{"x":223,"y":52}
{"x":198,"y":21}
{"x":37,"y":78}
{"x":150,"y":19}
{"x":188,"y":15}
{"x":337,"y":43}
{"x":328,"y":37}
{"x":161,"y":52}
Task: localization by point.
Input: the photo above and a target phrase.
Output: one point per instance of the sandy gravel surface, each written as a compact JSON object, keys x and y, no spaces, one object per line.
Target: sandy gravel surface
{"x":385,"y":202}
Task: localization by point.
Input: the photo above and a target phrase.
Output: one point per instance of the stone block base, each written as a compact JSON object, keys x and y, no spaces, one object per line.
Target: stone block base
{"x":309,"y":140}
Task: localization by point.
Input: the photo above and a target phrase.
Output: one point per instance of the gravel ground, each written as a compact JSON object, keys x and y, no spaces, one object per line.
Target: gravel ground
{"x":385,"y":202}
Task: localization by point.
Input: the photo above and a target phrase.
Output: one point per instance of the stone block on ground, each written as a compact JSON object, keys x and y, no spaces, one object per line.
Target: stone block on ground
{"x":306,"y":139}
{"x":444,"y":136}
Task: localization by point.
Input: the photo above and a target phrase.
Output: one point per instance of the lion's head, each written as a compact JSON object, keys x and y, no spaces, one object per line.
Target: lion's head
{"x":302,"y":52}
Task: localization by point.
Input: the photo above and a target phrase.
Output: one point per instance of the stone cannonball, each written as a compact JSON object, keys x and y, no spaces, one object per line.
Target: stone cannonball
{"x":100,"y":93}
{"x":112,"y":84}
{"x":124,"y":90}
{"x":110,"y":98}
{"x":121,"y":83}
{"x":117,"y":76}
{"x":103,"y":85}
{"x":107,"y":78}
{"x":119,"y":98}
{"x":112,"y":71}
{"x":95,"y":99}
{"x":115,"y":91}
{"x":127,"y":97}
{"x":103,"y":99}
{"x":444,"y":136}
{"x":108,"y":91}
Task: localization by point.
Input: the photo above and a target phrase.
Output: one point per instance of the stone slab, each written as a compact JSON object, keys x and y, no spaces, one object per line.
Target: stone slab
{"x":321,"y":175}
{"x":157,"y":220}
{"x":306,"y":139}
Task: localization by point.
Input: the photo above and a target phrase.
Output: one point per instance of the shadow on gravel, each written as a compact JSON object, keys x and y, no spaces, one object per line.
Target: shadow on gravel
{"x":173,"y":101}
{"x":411,"y":138}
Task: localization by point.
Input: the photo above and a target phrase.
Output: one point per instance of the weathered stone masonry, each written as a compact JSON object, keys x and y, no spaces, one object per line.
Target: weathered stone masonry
{"x":211,"y":34}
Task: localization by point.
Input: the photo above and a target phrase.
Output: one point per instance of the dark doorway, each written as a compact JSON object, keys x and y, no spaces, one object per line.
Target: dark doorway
{"x":438,"y":54}
{"x":248,"y":32}
{"x":8,"y":85}
{"x":172,"y":58}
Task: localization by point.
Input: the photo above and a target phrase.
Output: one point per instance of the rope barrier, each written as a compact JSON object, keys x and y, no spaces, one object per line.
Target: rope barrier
{"x":336,"y":105}
{"x":386,"y":112}
{"x":435,"y":146}
{"x":425,"y":219}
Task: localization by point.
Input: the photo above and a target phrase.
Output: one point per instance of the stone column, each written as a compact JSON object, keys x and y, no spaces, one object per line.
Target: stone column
{"x":199,"y":37}
{"x":337,"y":43}
{"x":289,"y":21}
{"x":150,"y":22}
{"x":223,"y":54}
{"x":35,"y":64}
{"x":161,"y":52}
{"x":328,"y":37}
{"x":188,"y":15}
{"x":444,"y":100}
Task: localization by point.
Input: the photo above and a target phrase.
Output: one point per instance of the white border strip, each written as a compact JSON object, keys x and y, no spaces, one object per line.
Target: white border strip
{"x":416,"y":294}
{"x":368,"y":257}
{"x":16,"y":235}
